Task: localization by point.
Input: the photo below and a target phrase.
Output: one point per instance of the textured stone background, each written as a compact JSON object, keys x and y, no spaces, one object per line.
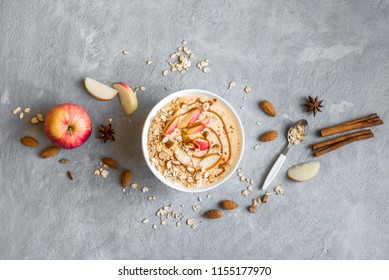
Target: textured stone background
{"x":284,"y":50}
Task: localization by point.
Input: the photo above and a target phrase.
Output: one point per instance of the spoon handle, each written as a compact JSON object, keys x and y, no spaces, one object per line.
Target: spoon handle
{"x":274,"y":170}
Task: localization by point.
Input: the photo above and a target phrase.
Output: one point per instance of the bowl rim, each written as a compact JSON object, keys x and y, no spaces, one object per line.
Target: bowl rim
{"x":146,"y":125}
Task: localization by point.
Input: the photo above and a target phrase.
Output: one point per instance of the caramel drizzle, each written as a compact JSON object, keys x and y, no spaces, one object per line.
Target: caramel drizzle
{"x":226,"y":131}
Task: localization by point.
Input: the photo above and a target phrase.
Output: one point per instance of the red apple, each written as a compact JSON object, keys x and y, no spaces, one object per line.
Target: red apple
{"x":68,"y":125}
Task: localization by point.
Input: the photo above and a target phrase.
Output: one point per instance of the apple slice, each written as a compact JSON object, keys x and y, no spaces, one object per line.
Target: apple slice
{"x":201,"y":144}
{"x":171,"y":126}
{"x":304,"y":171}
{"x":127,"y":97}
{"x":198,"y":127}
{"x":99,"y":90}
{"x":210,"y":161}
{"x":190,"y":118}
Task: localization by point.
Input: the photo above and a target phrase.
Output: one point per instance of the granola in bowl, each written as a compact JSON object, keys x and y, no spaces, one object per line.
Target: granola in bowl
{"x":194,"y":140}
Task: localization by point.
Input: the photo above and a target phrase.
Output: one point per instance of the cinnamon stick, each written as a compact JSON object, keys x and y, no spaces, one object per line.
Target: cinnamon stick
{"x":343,"y":143}
{"x":335,"y":140}
{"x":367,"y":121}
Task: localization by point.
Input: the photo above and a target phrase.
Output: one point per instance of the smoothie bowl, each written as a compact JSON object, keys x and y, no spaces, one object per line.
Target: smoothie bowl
{"x":192,"y":140}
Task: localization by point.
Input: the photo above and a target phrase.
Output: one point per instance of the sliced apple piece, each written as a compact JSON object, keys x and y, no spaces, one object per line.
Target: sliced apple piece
{"x":201,"y":144}
{"x":304,"y":171}
{"x":209,"y":161}
{"x":127,"y":97}
{"x":171,"y":126}
{"x":184,"y":158}
{"x":99,"y":90}
{"x":190,"y":118}
{"x":198,"y":127}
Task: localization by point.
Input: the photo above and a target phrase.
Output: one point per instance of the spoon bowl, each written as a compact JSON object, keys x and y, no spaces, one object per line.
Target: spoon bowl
{"x":296,"y":134}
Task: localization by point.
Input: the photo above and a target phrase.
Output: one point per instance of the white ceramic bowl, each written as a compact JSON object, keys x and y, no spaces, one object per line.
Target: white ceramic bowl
{"x":153,"y":112}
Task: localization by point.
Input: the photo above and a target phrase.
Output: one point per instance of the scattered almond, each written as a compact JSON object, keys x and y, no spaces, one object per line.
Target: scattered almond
{"x":269,"y":136}
{"x":110,"y":162}
{"x":268,"y":108}
{"x":29,"y":141}
{"x":126,"y":178}
{"x":213,"y":214}
{"x":50,"y":152}
{"x":228,"y":205}
{"x":266,"y":197}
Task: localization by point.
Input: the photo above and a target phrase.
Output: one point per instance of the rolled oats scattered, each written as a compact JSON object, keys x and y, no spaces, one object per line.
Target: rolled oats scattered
{"x":256,"y":147}
{"x":21,"y":115}
{"x":149,"y":62}
{"x":206,"y":70}
{"x":104,"y":173}
{"x":184,"y":42}
{"x":259,"y":201}
{"x":145,"y":189}
{"x":145,"y":221}
{"x":27,"y":110}
{"x":163,"y":222}
{"x":258,"y":123}
{"x":244,"y":193}
{"x":178,"y":224}
{"x":134,"y":185}
{"x":279,"y":190}
{"x":190,"y":221}
{"x":16,"y":110}
{"x":231,"y":84}
{"x":142,"y":88}
{"x":34,"y":120}
{"x":193,"y":226}
{"x":209,"y":196}
{"x":250,"y":188}
{"x":97,"y":172}
{"x":125,"y":52}
{"x":40,"y":117}
{"x":247,"y":89}
{"x":154,"y":226}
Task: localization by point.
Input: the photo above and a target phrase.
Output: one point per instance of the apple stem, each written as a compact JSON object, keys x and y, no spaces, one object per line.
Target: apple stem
{"x":70,"y":130}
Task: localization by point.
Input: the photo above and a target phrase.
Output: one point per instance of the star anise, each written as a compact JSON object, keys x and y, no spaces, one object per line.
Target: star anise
{"x":313,"y":105}
{"x":106,"y":133}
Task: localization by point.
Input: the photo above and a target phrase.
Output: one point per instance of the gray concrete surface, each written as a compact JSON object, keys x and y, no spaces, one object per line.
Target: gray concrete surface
{"x":283,"y":50}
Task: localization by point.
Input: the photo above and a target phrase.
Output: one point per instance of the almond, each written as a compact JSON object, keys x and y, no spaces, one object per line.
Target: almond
{"x":228,"y":205}
{"x":110,"y":162}
{"x":50,"y":152}
{"x":268,"y":108}
{"x":213,"y":214}
{"x":126,"y":178}
{"x":29,"y":141}
{"x":269,"y":136}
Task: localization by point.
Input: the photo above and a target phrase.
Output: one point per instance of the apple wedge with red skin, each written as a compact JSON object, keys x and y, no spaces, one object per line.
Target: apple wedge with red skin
{"x":190,"y":118}
{"x":127,"y":97}
{"x":171,"y":126}
{"x":198,"y":127}
{"x":201,"y":144}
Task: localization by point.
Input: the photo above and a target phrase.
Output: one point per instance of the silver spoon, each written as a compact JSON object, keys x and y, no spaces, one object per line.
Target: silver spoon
{"x":291,"y":142}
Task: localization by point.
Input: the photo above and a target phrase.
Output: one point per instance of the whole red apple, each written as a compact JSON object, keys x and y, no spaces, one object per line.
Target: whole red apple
{"x":68,"y":125}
